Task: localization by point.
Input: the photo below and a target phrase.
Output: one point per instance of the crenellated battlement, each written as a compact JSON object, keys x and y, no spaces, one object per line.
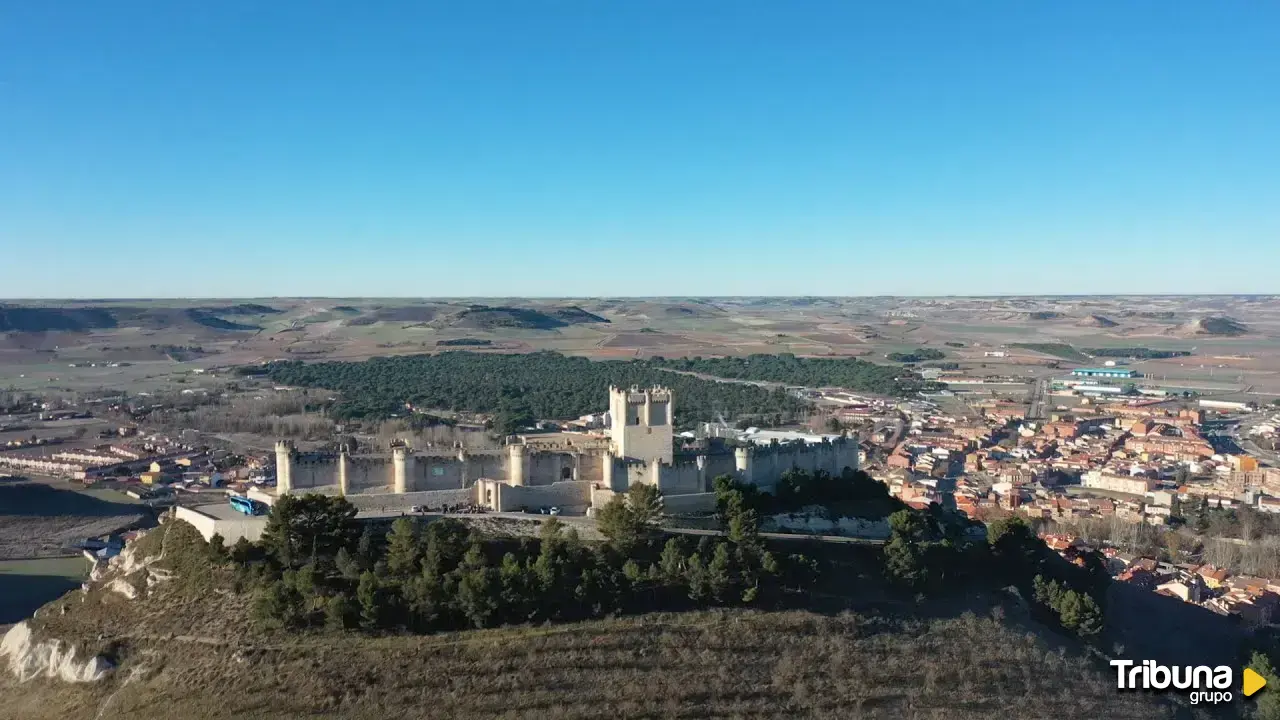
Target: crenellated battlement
{"x":799,"y":446}
{"x":314,"y":459}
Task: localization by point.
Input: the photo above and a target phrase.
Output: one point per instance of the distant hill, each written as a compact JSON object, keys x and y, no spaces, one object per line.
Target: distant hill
{"x":671,"y":309}
{"x":1097,"y":321}
{"x":1214,"y":325}
{"x":479,"y":317}
{"x":403,"y":313}
{"x":207,"y":318}
{"x":574,"y":315}
{"x":1218,"y":326}
{"x":38,"y":319}
{"x":485,"y":317}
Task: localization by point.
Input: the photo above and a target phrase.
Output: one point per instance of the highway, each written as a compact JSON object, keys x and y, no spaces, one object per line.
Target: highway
{"x":1038,"y":393}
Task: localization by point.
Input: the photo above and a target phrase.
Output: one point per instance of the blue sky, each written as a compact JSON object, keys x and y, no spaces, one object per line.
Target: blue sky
{"x":665,"y":147}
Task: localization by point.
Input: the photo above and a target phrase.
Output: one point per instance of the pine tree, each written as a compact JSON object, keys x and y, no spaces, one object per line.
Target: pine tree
{"x":744,"y":527}
{"x":904,"y":562}
{"x":632,"y":572}
{"x":402,"y":548}
{"x":370,"y":602}
{"x":1089,"y":621}
{"x":645,"y":503}
{"x":217,"y":549}
{"x":695,"y":574}
{"x":514,"y":579}
{"x":720,"y":580}
{"x":365,"y":550}
{"x":672,"y":560}
{"x":422,"y":600}
{"x":337,"y":610}
{"x":278,"y":604}
{"x":1070,"y":609}
{"x":618,"y":524}
{"x":478,"y":588}
{"x":1268,"y":707}
{"x":346,"y":565}
{"x":243,"y":551}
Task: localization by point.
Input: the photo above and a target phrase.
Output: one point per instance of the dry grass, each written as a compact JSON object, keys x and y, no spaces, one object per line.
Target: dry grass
{"x":715,"y":664}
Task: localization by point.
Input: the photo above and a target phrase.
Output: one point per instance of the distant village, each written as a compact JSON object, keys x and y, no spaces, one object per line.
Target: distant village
{"x":1100,"y":455}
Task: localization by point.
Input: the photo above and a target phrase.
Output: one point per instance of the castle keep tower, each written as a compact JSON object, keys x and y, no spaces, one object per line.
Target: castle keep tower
{"x":640,"y":423}
{"x":284,"y":467}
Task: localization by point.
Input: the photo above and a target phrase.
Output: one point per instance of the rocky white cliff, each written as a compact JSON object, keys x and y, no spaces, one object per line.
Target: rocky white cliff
{"x":29,"y":658}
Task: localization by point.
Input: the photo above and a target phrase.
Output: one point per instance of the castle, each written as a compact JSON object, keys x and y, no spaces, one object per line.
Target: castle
{"x":575,"y":472}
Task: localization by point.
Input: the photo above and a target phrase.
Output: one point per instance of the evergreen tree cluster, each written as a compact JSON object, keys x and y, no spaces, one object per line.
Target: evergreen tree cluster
{"x":929,"y":549}
{"x":518,"y":388}
{"x":1076,"y":611}
{"x":316,"y":567}
{"x":852,"y":493}
{"x":850,"y":373}
{"x":441,"y":576}
{"x":917,"y":355}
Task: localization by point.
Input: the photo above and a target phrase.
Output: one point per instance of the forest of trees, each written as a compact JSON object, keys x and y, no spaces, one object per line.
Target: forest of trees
{"x":520,"y":388}
{"x":1137,"y":353}
{"x":850,"y":373}
{"x":852,"y":493}
{"x":917,"y":355}
{"x":317,"y":568}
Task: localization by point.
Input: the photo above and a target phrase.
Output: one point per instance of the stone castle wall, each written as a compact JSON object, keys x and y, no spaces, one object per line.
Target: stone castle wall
{"x":571,"y":496}
{"x":765,"y":464}
{"x":760,"y":465}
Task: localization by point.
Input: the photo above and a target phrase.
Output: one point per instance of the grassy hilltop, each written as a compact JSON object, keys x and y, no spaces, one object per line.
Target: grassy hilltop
{"x":423,"y":622}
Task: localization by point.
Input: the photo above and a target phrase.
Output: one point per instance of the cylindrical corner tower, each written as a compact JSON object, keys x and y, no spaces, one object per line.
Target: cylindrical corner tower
{"x":517,"y":468}
{"x":400,"y":469}
{"x":742,"y":463}
{"x":284,"y":467}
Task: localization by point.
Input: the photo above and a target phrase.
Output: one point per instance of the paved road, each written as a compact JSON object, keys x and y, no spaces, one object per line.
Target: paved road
{"x":733,"y":381}
{"x":1038,"y":393}
{"x":1246,"y":423}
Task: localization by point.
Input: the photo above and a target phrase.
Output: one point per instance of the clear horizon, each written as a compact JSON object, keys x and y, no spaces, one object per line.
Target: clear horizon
{"x":572,"y":150}
{"x":550,"y":298}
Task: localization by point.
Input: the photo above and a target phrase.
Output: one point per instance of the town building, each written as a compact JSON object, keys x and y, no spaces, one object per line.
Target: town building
{"x":1106,"y":372}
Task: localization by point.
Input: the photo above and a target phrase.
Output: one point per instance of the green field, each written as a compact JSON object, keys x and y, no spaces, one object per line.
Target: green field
{"x":27,"y":584}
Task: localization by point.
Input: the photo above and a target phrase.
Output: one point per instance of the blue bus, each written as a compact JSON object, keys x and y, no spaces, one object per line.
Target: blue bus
{"x":247,"y":506}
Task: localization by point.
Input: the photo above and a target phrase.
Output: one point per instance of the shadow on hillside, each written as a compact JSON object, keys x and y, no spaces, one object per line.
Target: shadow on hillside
{"x":1170,"y":631}
{"x":22,"y":595}
{"x":36,"y":499}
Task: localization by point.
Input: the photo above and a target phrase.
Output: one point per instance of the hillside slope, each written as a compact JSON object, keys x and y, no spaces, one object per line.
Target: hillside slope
{"x":177,"y":636}
{"x":77,"y":318}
